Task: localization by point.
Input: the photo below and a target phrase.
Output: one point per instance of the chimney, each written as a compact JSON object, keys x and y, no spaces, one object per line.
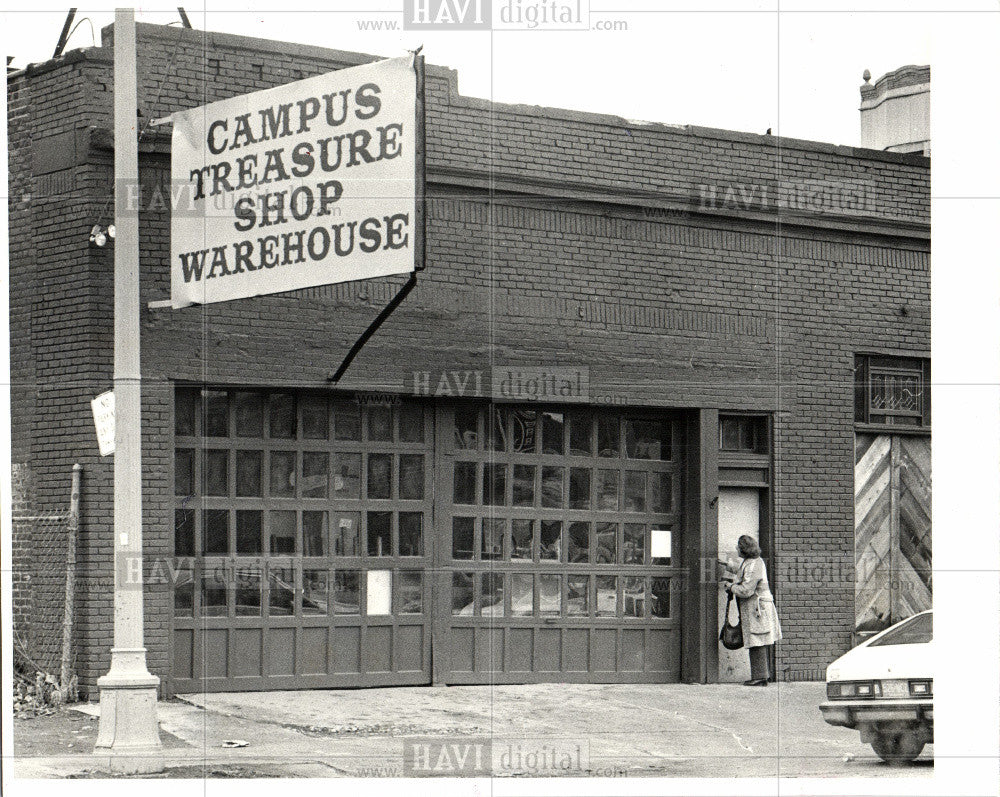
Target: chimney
{"x":896,"y":110}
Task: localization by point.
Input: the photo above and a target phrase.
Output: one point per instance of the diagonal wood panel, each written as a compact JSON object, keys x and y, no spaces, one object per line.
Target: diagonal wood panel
{"x":871,"y":529}
{"x":910,"y":594}
{"x":892,"y":528}
{"x":912,"y":570}
{"x":871,"y":500}
{"x":871,"y":462}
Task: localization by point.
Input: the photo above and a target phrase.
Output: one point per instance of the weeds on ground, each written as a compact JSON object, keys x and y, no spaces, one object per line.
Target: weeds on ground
{"x":37,"y":692}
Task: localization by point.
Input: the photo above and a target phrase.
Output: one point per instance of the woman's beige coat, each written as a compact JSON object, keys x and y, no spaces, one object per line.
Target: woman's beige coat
{"x":757,"y":612}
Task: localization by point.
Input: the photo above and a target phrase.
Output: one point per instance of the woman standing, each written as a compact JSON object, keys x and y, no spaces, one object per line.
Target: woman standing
{"x":758,"y":616}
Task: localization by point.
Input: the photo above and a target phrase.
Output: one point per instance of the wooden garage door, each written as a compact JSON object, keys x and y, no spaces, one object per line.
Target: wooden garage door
{"x":554,"y":561}
{"x":892,"y":517}
{"x":302,"y":528}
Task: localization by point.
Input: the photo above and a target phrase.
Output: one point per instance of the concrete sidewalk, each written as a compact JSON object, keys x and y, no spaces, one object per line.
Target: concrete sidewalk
{"x":544,"y":729}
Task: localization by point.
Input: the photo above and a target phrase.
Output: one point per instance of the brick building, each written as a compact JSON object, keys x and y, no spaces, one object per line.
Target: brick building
{"x":743,"y":316}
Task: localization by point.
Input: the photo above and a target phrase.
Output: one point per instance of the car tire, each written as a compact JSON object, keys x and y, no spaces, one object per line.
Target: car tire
{"x":897,"y":748}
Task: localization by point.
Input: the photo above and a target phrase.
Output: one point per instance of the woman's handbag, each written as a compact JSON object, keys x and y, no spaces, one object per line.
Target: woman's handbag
{"x":731,"y":636}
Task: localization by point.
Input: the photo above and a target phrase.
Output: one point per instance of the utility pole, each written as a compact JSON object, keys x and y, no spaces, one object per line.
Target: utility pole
{"x":128,"y":735}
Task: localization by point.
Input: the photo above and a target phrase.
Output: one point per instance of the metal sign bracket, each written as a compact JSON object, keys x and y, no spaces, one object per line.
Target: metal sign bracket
{"x":373,"y":327}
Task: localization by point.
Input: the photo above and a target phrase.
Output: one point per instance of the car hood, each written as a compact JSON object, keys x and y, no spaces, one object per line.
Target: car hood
{"x":884,"y":662}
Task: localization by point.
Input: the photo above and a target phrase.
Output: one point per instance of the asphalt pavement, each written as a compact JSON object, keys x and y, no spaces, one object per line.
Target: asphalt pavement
{"x":569,"y":730}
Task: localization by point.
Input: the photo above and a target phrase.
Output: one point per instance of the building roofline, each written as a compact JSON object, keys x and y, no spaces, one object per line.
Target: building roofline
{"x":67,"y":58}
{"x":232,"y":40}
{"x":910,"y":75}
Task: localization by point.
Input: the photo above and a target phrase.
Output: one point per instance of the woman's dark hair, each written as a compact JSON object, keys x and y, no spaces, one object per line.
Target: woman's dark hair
{"x":748,"y":547}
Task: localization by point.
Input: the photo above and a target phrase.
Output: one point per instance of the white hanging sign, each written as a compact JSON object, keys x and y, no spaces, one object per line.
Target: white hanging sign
{"x":309,"y":183}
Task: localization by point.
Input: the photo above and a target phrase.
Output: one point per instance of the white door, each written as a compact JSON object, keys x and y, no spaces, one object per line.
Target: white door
{"x":739,"y":513}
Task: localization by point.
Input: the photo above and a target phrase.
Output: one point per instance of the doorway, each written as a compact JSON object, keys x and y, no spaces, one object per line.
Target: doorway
{"x":739,"y":514}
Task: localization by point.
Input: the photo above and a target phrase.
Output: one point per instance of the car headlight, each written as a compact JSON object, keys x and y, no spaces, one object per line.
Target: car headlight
{"x":922,"y":688}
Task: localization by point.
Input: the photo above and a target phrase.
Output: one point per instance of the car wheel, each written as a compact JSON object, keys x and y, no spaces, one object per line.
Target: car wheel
{"x":897,"y":748}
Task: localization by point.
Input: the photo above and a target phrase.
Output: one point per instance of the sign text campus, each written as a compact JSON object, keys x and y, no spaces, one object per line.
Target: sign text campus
{"x":305,"y":184}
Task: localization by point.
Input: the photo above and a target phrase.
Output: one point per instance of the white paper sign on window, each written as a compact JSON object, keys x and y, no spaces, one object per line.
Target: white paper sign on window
{"x":660,"y":544}
{"x":379,"y":592}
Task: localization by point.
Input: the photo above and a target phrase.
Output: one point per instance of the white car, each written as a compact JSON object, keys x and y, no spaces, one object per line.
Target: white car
{"x":885,"y":688}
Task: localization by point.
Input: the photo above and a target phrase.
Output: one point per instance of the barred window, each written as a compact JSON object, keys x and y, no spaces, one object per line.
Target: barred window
{"x":894,"y":391}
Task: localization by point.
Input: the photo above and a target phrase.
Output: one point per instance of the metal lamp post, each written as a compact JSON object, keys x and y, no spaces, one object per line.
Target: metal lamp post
{"x":128,"y":734}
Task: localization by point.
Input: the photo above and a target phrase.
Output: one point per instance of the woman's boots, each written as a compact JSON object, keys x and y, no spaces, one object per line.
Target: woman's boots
{"x":759,"y":671}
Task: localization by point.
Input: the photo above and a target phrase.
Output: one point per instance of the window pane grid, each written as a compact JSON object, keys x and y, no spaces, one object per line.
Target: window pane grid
{"x":281,"y":485}
{"x":571,"y":535}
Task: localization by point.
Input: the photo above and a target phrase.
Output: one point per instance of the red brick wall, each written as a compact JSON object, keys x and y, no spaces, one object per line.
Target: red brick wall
{"x":22,"y":561}
{"x":674,"y":309}
{"x":61,"y":335}
{"x":21,"y":364}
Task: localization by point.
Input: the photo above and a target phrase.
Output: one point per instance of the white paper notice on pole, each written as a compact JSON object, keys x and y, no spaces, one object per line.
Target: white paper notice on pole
{"x":659,"y":547}
{"x":309,"y":183}
{"x":104,"y":419}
